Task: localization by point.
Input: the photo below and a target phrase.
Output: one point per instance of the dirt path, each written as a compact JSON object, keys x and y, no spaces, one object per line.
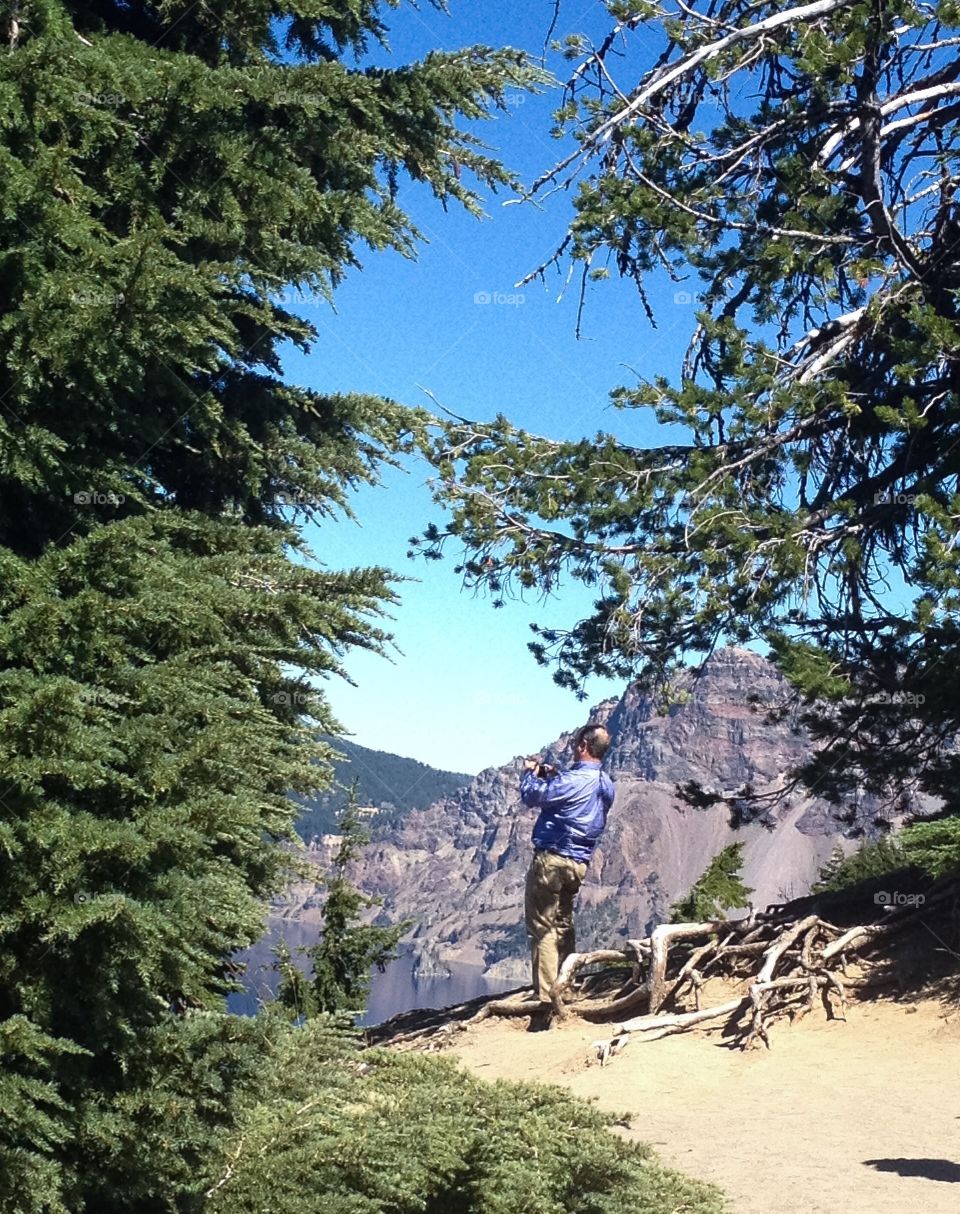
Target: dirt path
{"x":854,"y":1118}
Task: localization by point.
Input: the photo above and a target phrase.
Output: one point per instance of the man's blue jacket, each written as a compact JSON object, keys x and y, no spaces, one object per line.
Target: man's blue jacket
{"x":573,"y":809}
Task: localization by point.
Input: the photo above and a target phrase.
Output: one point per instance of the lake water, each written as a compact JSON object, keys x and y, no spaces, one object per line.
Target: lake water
{"x":396,"y":990}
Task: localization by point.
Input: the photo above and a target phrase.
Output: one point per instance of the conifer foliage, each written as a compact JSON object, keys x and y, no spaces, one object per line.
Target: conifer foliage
{"x":349,"y":949}
{"x":335,"y":1130}
{"x":793,"y":169}
{"x":168,"y":175}
{"x":719,"y":888}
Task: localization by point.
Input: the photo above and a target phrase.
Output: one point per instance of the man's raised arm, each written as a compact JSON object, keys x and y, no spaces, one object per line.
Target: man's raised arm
{"x":539,"y":782}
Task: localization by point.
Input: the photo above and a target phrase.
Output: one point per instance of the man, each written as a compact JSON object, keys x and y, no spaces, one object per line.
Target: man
{"x":573,"y":813}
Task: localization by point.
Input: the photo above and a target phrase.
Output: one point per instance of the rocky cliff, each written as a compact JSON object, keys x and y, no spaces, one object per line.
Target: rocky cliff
{"x":457,"y":868}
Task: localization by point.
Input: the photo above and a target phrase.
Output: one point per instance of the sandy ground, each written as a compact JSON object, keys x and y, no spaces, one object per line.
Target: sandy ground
{"x":861,"y":1117}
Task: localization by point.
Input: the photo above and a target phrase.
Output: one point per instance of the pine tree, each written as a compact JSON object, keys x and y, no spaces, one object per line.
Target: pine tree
{"x":872,"y":859}
{"x":172,"y":179}
{"x":719,"y":888}
{"x":348,"y":949}
{"x":794,"y":172}
{"x":170,"y":176}
{"x":930,"y":848}
{"x":149,"y":735}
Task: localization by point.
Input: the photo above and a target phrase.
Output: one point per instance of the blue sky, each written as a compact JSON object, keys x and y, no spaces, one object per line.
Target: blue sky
{"x":464,"y":693}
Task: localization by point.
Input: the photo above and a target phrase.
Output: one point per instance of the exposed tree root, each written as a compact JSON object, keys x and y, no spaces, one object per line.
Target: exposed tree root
{"x":785,"y":965}
{"x":579,"y":961}
{"x":780,"y":966}
{"x":523,"y":1006}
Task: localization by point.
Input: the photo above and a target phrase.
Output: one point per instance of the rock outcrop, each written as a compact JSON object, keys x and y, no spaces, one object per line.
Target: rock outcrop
{"x":457,"y":868}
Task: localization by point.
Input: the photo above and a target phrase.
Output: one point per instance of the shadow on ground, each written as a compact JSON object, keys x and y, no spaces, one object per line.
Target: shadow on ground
{"x":929,"y":1169}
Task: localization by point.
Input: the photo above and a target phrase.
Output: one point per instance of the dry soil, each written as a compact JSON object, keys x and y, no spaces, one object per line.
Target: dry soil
{"x":855,"y":1117}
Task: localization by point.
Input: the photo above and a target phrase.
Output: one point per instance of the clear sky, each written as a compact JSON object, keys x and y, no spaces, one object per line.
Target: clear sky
{"x":464,"y":693}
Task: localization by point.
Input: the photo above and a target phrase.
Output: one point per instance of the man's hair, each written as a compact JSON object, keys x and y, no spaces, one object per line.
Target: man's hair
{"x":595,"y":738}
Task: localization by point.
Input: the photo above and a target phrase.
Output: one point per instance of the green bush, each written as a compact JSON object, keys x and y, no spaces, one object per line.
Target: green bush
{"x":931,"y":847}
{"x":871,"y":860}
{"x":718,"y":889}
{"x":345,"y":1131}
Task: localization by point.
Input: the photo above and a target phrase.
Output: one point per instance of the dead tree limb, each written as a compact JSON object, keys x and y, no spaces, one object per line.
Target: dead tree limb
{"x":685,"y":1020}
{"x":660,"y":943}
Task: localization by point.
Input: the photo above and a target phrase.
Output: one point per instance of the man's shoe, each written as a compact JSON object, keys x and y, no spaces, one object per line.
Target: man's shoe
{"x":541,"y":1019}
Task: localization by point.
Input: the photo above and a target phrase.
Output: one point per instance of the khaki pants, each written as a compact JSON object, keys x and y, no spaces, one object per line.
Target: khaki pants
{"x":552,"y":885}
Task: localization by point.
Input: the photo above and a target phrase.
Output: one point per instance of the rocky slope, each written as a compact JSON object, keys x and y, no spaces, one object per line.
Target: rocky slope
{"x":457,"y":868}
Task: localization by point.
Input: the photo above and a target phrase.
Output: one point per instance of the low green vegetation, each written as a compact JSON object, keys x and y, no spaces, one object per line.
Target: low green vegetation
{"x":335,"y":1129}
{"x":873,"y":859}
{"x":931,"y":847}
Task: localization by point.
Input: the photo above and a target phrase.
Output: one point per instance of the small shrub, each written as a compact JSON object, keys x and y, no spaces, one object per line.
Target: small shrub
{"x":719,"y":889}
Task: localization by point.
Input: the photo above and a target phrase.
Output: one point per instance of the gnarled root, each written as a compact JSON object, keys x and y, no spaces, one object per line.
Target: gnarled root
{"x":779,"y":965}
{"x":784,"y":965}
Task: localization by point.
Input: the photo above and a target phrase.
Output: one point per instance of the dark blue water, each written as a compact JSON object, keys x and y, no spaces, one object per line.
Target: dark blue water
{"x":396,"y":990}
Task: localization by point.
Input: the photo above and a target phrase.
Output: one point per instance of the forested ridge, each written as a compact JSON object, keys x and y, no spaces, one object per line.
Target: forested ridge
{"x":390,"y":783}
